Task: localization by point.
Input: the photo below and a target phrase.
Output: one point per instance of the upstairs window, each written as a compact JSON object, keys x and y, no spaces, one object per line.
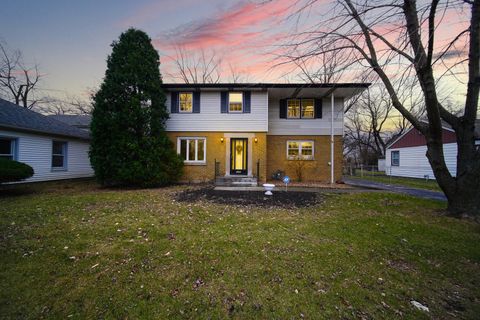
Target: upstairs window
{"x":308,"y":108}
{"x":235,"y":102}
{"x":293,"y":108}
{"x":395,"y":158}
{"x":185,"y":102}
{"x":192,"y":150}
{"x":59,"y":155}
{"x":301,"y":108}
{"x":7,"y":148}
{"x":299,"y":150}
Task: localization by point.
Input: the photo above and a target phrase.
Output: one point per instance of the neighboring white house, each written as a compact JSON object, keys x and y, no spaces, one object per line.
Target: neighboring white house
{"x":406,"y":156}
{"x":54,"y":149}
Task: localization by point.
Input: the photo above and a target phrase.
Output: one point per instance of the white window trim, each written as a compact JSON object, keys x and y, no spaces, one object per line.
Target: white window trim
{"x":312,"y":157}
{"x":13,"y":147}
{"x":235,"y":111}
{"x":301,"y":107}
{"x":65,"y":156}
{"x":179,"y":109}
{"x":204,"y":161}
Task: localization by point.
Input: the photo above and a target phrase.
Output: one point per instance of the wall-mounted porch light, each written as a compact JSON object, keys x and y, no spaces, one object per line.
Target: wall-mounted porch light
{"x":221,"y":140}
{"x":256,"y":140}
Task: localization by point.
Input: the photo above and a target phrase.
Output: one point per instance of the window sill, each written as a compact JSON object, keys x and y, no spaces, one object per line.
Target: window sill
{"x":302,"y":159}
{"x":191,"y":163}
{"x":59,"y":169}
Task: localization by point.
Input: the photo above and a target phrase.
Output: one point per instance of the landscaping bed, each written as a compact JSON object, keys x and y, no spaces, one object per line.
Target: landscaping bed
{"x":287,"y":199}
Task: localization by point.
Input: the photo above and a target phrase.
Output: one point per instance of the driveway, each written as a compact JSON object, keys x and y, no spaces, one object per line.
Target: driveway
{"x":420,"y":193}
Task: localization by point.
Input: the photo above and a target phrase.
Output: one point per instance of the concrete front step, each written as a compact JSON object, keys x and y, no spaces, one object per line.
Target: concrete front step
{"x":236,"y":181}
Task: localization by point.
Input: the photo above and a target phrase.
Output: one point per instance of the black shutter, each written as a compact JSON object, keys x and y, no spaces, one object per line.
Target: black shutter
{"x":283,"y":109}
{"x":246,"y":101}
{"x":196,"y":102}
{"x":318,"y":108}
{"x":223,"y":102}
{"x":174,"y":102}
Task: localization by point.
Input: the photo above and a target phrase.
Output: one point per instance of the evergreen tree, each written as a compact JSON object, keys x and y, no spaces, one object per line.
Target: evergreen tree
{"x":129,"y":144}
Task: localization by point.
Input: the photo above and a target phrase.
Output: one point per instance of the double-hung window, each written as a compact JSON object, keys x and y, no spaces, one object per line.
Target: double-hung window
{"x":301,"y":108}
{"x":192,"y":150}
{"x":59,"y":155}
{"x":7,"y":148}
{"x":300,"y":150}
{"x":395,"y":158}
{"x":185,"y":102}
{"x":235,"y":102}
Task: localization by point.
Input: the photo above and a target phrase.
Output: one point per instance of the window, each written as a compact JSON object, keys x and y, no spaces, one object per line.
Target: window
{"x":186,"y":102}
{"x":59,"y":155}
{"x":192,"y":150}
{"x":302,"y":150}
{"x":235,"y":102}
{"x":301,"y":108}
{"x":7,"y":148}
{"x":395,"y":160}
{"x":308,"y":108}
{"x":293,"y":108}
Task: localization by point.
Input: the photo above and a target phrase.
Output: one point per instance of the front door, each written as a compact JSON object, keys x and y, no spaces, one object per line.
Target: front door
{"x":238,"y":156}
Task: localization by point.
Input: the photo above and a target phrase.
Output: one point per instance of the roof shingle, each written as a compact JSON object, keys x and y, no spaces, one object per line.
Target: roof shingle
{"x":18,"y":118}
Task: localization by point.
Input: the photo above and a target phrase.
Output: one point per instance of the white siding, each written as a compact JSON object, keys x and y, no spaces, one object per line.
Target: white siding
{"x":36,"y":151}
{"x":414,"y":162}
{"x":278,"y":126}
{"x":211,"y":119}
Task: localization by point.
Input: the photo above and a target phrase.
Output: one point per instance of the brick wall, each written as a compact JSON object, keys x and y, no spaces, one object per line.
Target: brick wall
{"x":316,"y":170}
{"x":217,"y":150}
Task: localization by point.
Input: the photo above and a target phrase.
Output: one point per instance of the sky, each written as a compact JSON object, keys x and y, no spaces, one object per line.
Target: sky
{"x":70,"y":40}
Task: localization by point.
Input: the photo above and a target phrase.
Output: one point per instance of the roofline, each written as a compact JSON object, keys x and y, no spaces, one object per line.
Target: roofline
{"x":46,"y":133}
{"x":401,"y":136}
{"x":263,"y":85}
{"x":410,"y":129}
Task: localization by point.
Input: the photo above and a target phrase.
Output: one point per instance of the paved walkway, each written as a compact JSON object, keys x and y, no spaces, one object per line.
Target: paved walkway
{"x":420,"y":193}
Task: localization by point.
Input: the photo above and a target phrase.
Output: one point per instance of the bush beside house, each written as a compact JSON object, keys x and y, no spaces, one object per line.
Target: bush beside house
{"x":11,"y":171}
{"x":129,"y":144}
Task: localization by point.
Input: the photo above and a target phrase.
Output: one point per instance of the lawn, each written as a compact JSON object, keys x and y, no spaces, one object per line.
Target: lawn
{"x":402,"y":181}
{"x":73,"y":250}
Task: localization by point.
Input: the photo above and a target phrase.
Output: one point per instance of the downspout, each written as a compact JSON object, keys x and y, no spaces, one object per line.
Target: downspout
{"x":332,"y":142}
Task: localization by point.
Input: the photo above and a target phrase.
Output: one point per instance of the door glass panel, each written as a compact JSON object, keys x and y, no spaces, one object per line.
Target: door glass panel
{"x":239,"y":156}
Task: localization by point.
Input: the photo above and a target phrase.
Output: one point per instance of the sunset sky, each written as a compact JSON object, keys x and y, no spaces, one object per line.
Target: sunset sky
{"x":70,"y":40}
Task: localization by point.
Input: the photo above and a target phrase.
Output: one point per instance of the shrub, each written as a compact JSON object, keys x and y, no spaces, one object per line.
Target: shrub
{"x":129,"y":145}
{"x":11,"y":171}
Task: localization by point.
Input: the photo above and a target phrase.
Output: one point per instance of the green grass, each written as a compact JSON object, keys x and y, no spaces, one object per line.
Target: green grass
{"x":74,"y":250}
{"x":408,"y":182}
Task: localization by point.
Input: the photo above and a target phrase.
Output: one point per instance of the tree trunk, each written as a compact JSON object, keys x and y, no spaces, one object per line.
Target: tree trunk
{"x":465,"y":200}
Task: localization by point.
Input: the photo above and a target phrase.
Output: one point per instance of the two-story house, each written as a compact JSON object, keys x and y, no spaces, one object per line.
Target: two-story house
{"x":250,"y":131}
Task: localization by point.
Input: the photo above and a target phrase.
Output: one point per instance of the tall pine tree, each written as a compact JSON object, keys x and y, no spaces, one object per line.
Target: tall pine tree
{"x":129,"y":144}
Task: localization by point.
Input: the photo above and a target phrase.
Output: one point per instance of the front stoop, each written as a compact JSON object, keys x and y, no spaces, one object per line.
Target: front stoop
{"x":236,"y":181}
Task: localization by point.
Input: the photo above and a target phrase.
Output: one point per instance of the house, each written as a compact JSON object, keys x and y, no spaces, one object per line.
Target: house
{"x":79,"y":121}
{"x":406,"y":156}
{"x":241,"y":133}
{"x":54,"y":149}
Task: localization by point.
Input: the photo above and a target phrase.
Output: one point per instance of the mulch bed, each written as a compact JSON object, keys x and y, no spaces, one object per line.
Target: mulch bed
{"x":283,"y":199}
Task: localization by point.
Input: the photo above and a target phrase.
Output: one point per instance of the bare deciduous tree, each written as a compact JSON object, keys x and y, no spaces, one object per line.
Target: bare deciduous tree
{"x":196,"y":67}
{"x":396,"y":39}
{"x":18,"y":82}
{"x":69,"y":104}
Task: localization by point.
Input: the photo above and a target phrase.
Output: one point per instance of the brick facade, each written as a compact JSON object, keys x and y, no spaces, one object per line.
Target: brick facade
{"x":216,"y":151}
{"x":317,"y":170}
{"x":270,"y":151}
